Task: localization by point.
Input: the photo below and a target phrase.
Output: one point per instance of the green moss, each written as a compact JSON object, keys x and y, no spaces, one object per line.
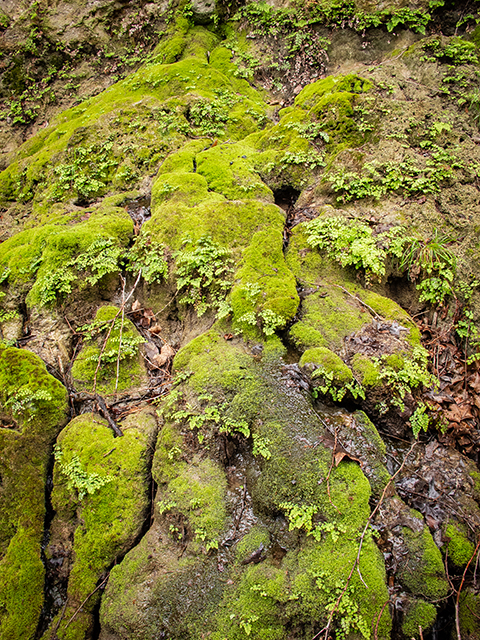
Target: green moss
{"x":111,"y":518}
{"x":123,"y":339}
{"x":331,"y":313}
{"x":374,"y":447}
{"x":92,"y":143}
{"x":251,"y":542}
{"x":329,"y":361}
{"x":34,"y":408}
{"x":21,"y":586}
{"x":311,"y":94}
{"x":469,"y":612}
{"x":197,"y":493}
{"x":370,"y":375}
{"x":390,"y":310}
{"x":425,"y":573}
{"x":263,"y":270}
{"x":460,"y":549}
{"x":41,"y":254}
{"x":418,"y":614}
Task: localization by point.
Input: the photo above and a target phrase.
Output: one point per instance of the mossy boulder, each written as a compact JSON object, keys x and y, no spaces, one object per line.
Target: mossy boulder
{"x":469,"y":610}
{"x":101,"y":499}
{"x":304,"y":552}
{"x":424,"y":574}
{"x":33,"y":411}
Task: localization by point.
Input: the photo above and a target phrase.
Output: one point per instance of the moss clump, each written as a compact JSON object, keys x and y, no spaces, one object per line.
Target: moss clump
{"x":333,"y":315}
{"x":418,"y":614}
{"x":390,"y":310}
{"x":111,"y":517}
{"x":425,"y":573}
{"x":33,"y":410}
{"x":263,"y":599}
{"x":327,"y":361}
{"x":92,"y":143}
{"x":255,"y":539}
{"x":21,"y":585}
{"x":196,"y":492}
{"x":469,"y":612}
{"x":113,"y":338}
{"x":460,"y":549}
{"x":369,"y":372}
{"x":48,"y":256}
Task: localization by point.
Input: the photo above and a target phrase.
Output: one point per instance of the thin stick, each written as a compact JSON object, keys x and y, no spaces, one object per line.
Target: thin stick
{"x":358,"y":299}
{"x":86,"y":599}
{"x":457,"y":602}
{"x":55,"y":629}
{"x":112,"y":324}
{"x":377,"y":622}
{"x":362,"y":538}
{"x":120,"y":336}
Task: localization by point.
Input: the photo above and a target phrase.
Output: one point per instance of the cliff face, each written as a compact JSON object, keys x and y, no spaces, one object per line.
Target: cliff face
{"x":239,"y":279}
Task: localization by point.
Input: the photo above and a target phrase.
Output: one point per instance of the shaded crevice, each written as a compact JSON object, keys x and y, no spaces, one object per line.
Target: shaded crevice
{"x":55,"y":586}
{"x":139,"y":211}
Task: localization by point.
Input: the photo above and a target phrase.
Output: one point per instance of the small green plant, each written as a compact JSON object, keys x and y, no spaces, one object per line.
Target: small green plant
{"x":349,"y":243}
{"x":330,"y":386}
{"x":25,"y":401}
{"x":77,"y":478}
{"x":420,"y":419}
{"x":203,"y":274}
{"x":309,"y":130}
{"x":347,"y":618}
{"x":260,"y":446}
{"x":434,"y":261}
{"x":353,"y":243}
{"x":403,"y":374}
{"x":310,"y":159}
{"x":457,"y":52}
{"x":165,"y":505}
{"x":149,"y":256}
{"x":102,"y":257}
{"x":211,"y":416}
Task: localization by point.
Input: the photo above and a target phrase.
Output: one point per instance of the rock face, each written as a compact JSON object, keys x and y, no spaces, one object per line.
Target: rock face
{"x":239,"y":317}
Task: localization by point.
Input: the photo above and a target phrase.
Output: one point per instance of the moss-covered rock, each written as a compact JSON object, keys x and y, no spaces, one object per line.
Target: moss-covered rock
{"x":101,"y":498}
{"x":250,"y":412}
{"x":460,"y":549}
{"x":33,"y":410}
{"x":469,"y":610}
{"x":424,"y":574}
{"x":418,"y":615}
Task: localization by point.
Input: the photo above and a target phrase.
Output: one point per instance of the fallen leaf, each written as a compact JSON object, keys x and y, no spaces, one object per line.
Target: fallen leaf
{"x":458,"y":413}
{"x":156,"y":328}
{"x":475,"y":383}
{"x":136,"y":306}
{"x":167,"y":350}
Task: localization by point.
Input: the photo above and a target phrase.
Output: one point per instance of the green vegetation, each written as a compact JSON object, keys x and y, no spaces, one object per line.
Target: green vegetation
{"x":330,"y":375}
{"x":460,"y":549}
{"x":203,"y":275}
{"x":405,"y":177}
{"x":419,"y":614}
{"x":34,"y":409}
{"x":77,"y":478}
{"x":111,"y":474}
{"x":110,"y":358}
{"x":354,"y":244}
